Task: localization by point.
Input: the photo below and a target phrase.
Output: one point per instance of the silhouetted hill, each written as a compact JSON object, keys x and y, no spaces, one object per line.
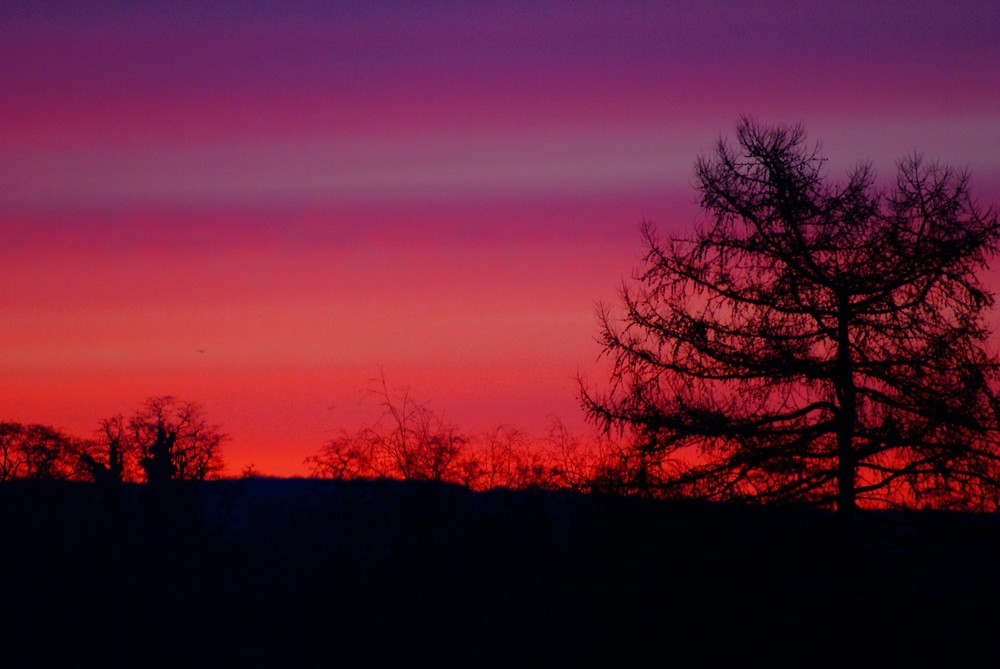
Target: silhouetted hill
{"x":267,"y":572}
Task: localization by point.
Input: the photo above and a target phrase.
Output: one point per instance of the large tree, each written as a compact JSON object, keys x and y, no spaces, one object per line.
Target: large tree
{"x":173,"y":439}
{"x":812,"y":340}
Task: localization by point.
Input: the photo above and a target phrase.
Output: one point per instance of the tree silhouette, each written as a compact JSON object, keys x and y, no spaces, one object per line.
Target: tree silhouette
{"x":11,"y":462}
{"x":416,"y":443}
{"x":812,"y":340}
{"x":501,"y":456}
{"x":111,"y":460}
{"x":174,"y":441}
{"x":40,"y":452}
{"x":410,"y":442}
{"x":342,"y":458}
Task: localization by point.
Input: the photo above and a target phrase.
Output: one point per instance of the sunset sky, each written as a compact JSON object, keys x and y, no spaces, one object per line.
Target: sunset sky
{"x":262,"y":206}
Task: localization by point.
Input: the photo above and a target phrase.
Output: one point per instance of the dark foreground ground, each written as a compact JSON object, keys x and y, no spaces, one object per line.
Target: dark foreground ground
{"x":287,"y":573}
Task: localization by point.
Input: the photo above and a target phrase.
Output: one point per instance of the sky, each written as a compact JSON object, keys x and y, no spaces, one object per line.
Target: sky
{"x":265,"y":207}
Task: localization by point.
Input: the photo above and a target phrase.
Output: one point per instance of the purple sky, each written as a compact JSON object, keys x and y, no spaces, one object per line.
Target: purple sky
{"x":441,"y":192}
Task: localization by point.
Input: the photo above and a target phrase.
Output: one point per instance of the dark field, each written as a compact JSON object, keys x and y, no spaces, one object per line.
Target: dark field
{"x":287,"y":573}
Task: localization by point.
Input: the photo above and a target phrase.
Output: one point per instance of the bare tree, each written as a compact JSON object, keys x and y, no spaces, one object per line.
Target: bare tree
{"x":47,"y":453}
{"x":571,"y":459}
{"x":409,"y":441}
{"x":507,"y":457}
{"x":11,"y":461}
{"x":413,"y":441}
{"x":622,"y":469}
{"x":112,"y":455}
{"x":499,"y":453}
{"x":812,"y":340}
{"x":345,"y":457}
{"x":42,"y":452}
{"x":173,"y":440}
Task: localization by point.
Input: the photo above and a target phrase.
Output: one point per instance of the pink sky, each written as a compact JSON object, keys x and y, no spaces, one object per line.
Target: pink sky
{"x":261,"y":208}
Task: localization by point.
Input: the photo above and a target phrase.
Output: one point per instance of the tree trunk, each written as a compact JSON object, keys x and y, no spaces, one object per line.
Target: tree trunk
{"x":847,"y":419}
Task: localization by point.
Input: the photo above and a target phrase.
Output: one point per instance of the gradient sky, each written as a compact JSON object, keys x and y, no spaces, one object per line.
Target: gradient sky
{"x":261,"y":206}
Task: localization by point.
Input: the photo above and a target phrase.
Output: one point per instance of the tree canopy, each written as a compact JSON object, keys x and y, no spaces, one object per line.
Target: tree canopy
{"x":812,"y":340}
{"x":165,"y":439}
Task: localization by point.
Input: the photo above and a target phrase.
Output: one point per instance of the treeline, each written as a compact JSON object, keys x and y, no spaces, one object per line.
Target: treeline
{"x":167,"y":439}
{"x":164,"y":439}
{"x":412,"y":442}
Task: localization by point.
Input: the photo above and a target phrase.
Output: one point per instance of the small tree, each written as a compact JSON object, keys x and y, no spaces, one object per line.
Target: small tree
{"x":409,"y":441}
{"x":499,"y":454}
{"x":572,"y":462}
{"x":811,"y":340}
{"x":343,"y":458}
{"x":414,"y":442}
